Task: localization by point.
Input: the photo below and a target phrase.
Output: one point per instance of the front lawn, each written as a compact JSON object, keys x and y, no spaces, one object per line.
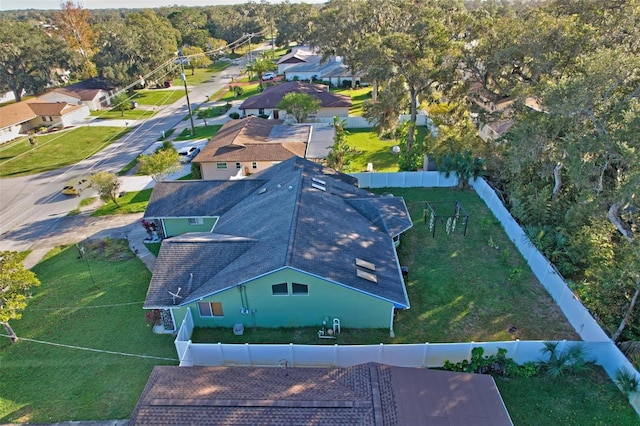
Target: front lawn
{"x":203,"y":75}
{"x":156,"y":97}
{"x":248,"y":90}
{"x":131,"y":202}
{"x":85,"y":350}
{"x":201,"y":132}
{"x":55,"y":150}
{"x":129,"y":114}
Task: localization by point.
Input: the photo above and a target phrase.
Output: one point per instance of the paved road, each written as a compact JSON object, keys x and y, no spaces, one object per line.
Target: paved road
{"x":32,"y":207}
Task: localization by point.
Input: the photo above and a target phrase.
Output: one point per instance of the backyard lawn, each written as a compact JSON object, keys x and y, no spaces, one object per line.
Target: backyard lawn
{"x":55,"y":150}
{"x":375,"y":150}
{"x":93,"y":303}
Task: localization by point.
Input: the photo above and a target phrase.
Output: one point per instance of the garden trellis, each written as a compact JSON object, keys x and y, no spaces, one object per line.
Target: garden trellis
{"x":451,"y":214}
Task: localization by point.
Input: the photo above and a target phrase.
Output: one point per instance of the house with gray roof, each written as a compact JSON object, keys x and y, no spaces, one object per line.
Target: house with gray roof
{"x":294,"y":245}
{"x":266,"y":103}
{"x":366,"y":394}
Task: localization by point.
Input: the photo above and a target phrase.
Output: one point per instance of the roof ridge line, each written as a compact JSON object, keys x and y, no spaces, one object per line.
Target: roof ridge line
{"x":294,"y":218}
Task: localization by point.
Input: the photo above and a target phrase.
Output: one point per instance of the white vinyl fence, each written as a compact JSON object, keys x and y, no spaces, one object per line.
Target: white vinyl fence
{"x":598,"y":345}
{"x":362,"y":123}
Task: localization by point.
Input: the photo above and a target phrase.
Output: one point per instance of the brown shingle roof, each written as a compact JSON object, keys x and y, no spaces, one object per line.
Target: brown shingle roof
{"x":365,"y":394}
{"x":21,"y":112}
{"x":15,"y":113}
{"x":272,"y":95}
{"x":52,"y":108}
{"x":254,"y":139}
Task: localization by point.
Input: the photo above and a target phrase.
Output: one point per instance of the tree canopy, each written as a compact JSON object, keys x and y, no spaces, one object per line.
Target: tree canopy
{"x":15,"y":284}
{"x":31,"y":59}
{"x":299,"y":105}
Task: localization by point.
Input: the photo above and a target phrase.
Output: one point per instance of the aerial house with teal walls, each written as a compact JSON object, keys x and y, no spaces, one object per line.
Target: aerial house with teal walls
{"x":290,"y":246}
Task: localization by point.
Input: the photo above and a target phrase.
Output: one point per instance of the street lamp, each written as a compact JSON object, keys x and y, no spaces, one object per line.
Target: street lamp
{"x":186,"y":92}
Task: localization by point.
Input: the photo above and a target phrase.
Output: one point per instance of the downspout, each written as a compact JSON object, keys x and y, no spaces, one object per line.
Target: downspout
{"x":391,"y":332}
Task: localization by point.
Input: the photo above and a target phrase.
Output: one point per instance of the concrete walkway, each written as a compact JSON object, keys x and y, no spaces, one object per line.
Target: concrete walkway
{"x":74,"y":229}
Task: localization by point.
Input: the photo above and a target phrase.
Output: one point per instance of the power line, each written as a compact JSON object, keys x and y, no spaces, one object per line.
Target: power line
{"x":114,"y":305}
{"x":92,"y":349}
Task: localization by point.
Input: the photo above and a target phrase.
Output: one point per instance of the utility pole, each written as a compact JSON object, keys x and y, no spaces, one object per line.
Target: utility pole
{"x":273,"y":44}
{"x":186,"y":92}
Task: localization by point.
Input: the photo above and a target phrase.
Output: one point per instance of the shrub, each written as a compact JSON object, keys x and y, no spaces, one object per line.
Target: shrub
{"x":571,"y":361}
{"x":234,"y":115}
{"x":493,"y":364}
{"x":627,"y":381}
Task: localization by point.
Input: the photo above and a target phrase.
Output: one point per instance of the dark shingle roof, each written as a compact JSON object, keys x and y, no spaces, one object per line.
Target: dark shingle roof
{"x":86,"y":90}
{"x":272,"y":95}
{"x":294,"y":225}
{"x":197,"y":198}
{"x":366,"y":394}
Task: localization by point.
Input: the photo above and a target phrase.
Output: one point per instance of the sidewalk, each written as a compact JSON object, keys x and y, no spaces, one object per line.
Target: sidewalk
{"x":74,"y":229}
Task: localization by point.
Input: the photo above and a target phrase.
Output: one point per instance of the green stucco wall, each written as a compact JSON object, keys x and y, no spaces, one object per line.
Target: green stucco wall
{"x":179,"y":226}
{"x":324,"y":299}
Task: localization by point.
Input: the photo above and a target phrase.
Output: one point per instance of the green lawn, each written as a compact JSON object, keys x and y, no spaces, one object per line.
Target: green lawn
{"x":202,"y":75}
{"x":55,"y":150}
{"x":157,"y":97}
{"x":358,"y":97}
{"x":374,"y":150}
{"x":249,"y":90}
{"x":459,"y":288}
{"x":131,"y":202}
{"x":201,"y":132}
{"x":94,"y":303}
{"x":586,"y":399}
{"x":130,"y":114}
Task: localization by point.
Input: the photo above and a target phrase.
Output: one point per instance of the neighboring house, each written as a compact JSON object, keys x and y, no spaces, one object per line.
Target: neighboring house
{"x":366,"y":394}
{"x":15,"y":119}
{"x":96,"y":93}
{"x":292,"y":246}
{"x":298,"y":55}
{"x":304,"y":64}
{"x":499,"y":107}
{"x":250,"y":145}
{"x":21,"y":117}
{"x":331,"y":104}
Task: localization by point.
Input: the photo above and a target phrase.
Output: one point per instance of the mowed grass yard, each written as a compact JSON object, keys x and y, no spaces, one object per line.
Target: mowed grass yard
{"x":93,"y":303}
{"x":460,"y":289}
{"x":55,"y":150}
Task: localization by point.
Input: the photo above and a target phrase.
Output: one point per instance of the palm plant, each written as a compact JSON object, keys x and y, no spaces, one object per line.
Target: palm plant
{"x":259,"y":67}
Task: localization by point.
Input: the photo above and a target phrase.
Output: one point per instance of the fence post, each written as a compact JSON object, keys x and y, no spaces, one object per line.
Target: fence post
{"x":246,"y":345}
{"x":335,"y":355}
{"x":425,"y":353}
{"x":291,"y":354}
{"x":221,"y":352}
{"x":380,"y":349}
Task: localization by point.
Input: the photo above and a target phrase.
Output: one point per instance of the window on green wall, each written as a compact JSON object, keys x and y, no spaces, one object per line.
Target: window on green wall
{"x":279,"y":290}
{"x":195,"y":221}
{"x":300,"y":289}
{"x":210,"y":309}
